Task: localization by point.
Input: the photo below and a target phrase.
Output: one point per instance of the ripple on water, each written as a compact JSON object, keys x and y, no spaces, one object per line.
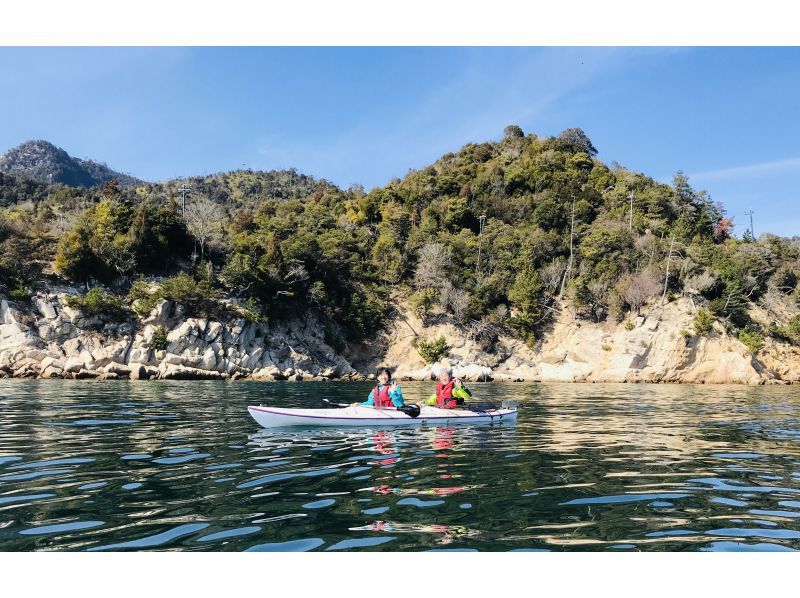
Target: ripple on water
{"x":34,"y":474}
{"x":727,"y":501}
{"x":136,"y":457}
{"x":319,"y":504}
{"x":187,"y":473}
{"x":92,"y":485}
{"x":360,"y":543}
{"x":157,"y":539}
{"x":286,"y":476}
{"x":290,"y":546}
{"x":745,"y":532}
{"x":182,"y":459}
{"x":230,"y":533}
{"x":621,"y":498}
{"x":52,"y":462}
{"x":60,"y":528}
{"x":24,"y":498}
{"x":416,"y":502}
{"x":96,"y":422}
{"x":746,"y":547}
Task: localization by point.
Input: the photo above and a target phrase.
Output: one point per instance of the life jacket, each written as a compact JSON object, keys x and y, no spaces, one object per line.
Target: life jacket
{"x":381,"y":398}
{"x":444,"y":395}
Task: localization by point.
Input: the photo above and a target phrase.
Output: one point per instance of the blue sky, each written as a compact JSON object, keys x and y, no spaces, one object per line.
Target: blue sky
{"x":728,"y":117}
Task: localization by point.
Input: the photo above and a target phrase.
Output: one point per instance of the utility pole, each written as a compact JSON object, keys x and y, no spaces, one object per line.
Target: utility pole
{"x":184,"y":190}
{"x":750,"y":213}
{"x":630,"y":220}
{"x":481,"y":222}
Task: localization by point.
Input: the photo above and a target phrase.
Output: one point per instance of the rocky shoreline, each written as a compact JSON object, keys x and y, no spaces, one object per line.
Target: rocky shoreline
{"x":48,"y":339}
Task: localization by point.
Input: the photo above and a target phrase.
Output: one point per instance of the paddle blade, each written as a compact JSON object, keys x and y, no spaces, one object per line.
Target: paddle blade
{"x":481,"y":407}
{"x":410,"y":410}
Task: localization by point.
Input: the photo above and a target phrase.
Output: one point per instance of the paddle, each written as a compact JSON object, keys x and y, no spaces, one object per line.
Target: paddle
{"x":409,"y":410}
{"x":480,"y":407}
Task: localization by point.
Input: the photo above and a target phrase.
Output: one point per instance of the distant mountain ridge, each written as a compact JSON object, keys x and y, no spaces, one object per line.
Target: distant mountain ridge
{"x":42,"y":161}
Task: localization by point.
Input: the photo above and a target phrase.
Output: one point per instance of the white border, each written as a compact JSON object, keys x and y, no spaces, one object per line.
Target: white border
{"x":389,"y":575}
{"x":411,"y":22}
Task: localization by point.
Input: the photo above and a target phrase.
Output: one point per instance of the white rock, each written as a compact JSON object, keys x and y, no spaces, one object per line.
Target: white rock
{"x":45,"y":308}
{"x":74,"y":364}
{"x":212,"y":331}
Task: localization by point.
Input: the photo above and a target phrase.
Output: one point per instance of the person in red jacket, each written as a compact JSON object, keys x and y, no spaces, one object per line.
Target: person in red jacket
{"x":450,"y":392}
{"x":387,"y":393}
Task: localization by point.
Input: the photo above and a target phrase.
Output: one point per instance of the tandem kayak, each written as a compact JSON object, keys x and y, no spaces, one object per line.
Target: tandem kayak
{"x":362,"y":416}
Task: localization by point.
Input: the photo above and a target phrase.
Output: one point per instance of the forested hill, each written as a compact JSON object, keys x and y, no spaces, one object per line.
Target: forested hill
{"x":499,"y":235}
{"x":44,"y":162}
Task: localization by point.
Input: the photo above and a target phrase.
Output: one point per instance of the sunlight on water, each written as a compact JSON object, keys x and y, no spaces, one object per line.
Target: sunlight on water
{"x":104,"y":466}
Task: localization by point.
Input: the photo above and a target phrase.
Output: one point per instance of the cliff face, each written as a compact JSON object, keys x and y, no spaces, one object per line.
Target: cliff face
{"x":54,"y":341}
{"x":660,"y":346}
{"x":51,"y":340}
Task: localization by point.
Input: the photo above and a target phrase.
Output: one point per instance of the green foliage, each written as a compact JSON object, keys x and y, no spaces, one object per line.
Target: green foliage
{"x":753,"y":340}
{"x":198,"y":296}
{"x":432,"y":350}
{"x":143,"y":298}
{"x":793,"y":328}
{"x":253,"y":312}
{"x":703,"y":321}
{"x":422,"y":302}
{"x":159,"y":341}
{"x":364,"y":314}
{"x":113,"y":239}
{"x":527,"y":292}
{"x":99,"y":302}
{"x":789,"y":333}
{"x":293,"y":243}
{"x":19,"y":292}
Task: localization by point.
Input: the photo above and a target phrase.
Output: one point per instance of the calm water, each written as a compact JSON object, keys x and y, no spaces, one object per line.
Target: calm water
{"x":181,"y":466}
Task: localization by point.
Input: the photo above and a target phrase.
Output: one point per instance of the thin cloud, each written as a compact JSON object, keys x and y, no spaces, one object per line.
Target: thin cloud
{"x":475,"y":104}
{"x":749,"y":170}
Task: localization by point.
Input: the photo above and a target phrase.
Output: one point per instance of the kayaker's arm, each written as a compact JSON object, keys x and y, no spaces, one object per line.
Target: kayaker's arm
{"x":397,"y":396}
{"x":461,"y":391}
{"x":369,"y":402}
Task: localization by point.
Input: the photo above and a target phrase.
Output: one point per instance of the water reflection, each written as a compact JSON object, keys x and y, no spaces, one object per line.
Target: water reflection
{"x":180,"y":466}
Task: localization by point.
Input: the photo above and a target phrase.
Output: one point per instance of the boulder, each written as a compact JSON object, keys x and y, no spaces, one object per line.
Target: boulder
{"x":159,"y":315}
{"x":212,"y":331}
{"x":140,"y":371}
{"x":45,"y":308}
{"x":84,"y":374}
{"x":74,"y":365}
{"x":51,"y":371}
{"x":119,"y":369}
{"x":177,"y":372}
{"x":473,"y":372}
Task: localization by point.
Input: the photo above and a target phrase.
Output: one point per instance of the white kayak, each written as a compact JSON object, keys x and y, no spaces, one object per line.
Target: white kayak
{"x":362,"y":416}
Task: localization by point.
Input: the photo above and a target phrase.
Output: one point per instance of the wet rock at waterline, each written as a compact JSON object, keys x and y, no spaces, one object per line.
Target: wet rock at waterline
{"x":48,"y":339}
